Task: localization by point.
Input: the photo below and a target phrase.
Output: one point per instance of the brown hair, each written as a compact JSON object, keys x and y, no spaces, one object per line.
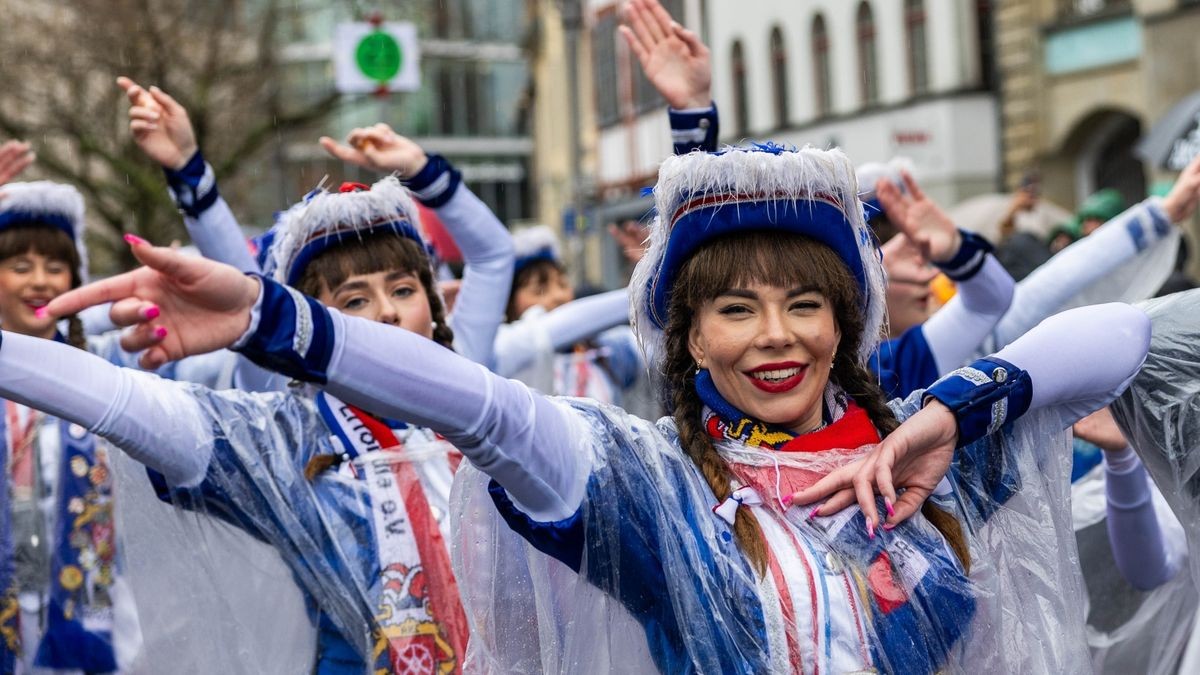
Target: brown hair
{"x":535,"y":273}
{"x":788,"y":261}
{"x":377,"y":252}
{"x":51,"y":242}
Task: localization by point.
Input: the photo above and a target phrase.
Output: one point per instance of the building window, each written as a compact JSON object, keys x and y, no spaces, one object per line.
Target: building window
{"x":868,"y":70}
{"x":779,"y":77}
{"x":918,"y":54}
{"x":821,"y":75}
{"x":741,"y":103}
{"x":604,"y":64}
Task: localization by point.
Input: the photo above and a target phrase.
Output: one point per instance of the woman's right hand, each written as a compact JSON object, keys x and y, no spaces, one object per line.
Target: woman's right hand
{"x":160,"y":125}
{"x":178,"y":305}
{"x":673,"y":58}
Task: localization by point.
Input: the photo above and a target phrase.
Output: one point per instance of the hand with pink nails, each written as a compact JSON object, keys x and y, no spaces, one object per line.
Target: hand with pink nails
{"x":160,"y":126}
{"x":904,"y":468}
{"x":177,"y":305}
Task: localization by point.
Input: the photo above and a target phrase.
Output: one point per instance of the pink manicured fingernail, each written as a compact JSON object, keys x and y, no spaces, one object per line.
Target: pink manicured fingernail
{"x":887,"y":504}
{"x":160,"y":332}
{"x":870,"y":529}
{"x":151,"y":313}
{"x":889,"y":526}
{"x":787,"y":502}
{"x":41,"y":312}
{"x":134,"y":240}
{"x":813,"y":514}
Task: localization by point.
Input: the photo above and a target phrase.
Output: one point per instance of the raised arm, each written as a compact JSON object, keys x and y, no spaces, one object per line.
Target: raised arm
{"x":161,"y":128}
{"x":155,"y":421}
{"x":1092,"y":258}
{"x":485,"y":243}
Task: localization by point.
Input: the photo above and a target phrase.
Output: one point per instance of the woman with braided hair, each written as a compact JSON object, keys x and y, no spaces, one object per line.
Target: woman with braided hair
{"x":589,"y":540}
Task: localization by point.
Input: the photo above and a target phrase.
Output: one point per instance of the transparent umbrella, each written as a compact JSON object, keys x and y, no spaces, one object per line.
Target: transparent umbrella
{"x":983,"y":214}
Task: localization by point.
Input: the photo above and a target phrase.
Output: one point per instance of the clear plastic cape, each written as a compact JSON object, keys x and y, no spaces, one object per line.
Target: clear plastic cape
{"x":530,"y":613}
{"x":227,"y":581}
{"x":1129,"y":631}
{"x":1160,"y":411}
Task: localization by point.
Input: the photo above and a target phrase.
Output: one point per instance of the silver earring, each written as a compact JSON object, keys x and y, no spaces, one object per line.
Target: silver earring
{"x":699,"y":366}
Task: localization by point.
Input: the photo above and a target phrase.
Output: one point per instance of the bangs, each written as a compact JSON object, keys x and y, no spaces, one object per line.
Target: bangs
{"x":44,"y":240}
{"x":764,"y":257}
{"x":378,"y":252}
{"x":536,"y":273}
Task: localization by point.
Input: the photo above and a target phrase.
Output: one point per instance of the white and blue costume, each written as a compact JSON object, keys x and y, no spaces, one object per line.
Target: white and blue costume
{"x":595,"y":525}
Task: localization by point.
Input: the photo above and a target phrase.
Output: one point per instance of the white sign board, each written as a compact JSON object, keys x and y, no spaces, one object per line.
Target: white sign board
{"x":371,"y":58}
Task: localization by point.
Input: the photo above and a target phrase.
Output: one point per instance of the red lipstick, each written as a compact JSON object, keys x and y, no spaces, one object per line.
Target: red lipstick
{"x":777,"y":385}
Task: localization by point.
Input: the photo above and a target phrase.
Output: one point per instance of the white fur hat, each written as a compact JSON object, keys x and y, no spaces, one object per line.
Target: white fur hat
{"x":700,"y":196}
{"x":326,"y":218}
{"x":46,"y":203}
{"x":535,"y":243}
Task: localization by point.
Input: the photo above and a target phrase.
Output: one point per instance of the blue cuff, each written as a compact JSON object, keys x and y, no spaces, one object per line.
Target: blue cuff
{"x":194,"y":187}
{"x":694,"y":130}
{"x":983,"y":396}
{"x":1142,"y":233}
{"x":969,"y":259}
{"x":436,"y":183}
{"x":294,"y":336}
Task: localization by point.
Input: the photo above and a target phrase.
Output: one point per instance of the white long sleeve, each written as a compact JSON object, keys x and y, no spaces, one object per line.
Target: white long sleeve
{"x":156,"y":421}
{"x":527,"y":442}
{"x":487,"y":279}
{"x":1080,"y":265}
{"x":1083,"y":358}
{"x":519,"y":343}
{"x":957,"y":330}
{"x":218,"y":236}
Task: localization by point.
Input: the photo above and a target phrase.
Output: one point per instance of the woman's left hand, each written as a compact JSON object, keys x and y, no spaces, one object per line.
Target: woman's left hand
{"x":914,"y":458}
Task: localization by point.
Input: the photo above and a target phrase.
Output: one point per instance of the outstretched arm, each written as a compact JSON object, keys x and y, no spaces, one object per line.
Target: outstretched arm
{"x":161,"y":128}
{"x":521,"y":342}
{"x":530,"y":444}
{"x":154,"y":420}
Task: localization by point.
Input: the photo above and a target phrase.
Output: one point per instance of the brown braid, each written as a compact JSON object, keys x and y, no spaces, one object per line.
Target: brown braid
{"x":75,"y":335}
{"x":754,"y":257}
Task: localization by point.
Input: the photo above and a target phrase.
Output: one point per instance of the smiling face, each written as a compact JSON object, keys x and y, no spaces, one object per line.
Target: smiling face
{"x":769,"y":350}
{"x":37,"y":264}
{"x":908,"y":279}
{"x":542,"y":283}
{"x":766,"y":314}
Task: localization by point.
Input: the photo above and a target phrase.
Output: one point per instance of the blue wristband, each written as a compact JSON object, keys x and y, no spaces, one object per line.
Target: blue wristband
{"x":694,"y":130}
{"x":970,"y":257}
{"x":436,"y":183}
{"x":983,"y":396}
{"x":194,"y":187}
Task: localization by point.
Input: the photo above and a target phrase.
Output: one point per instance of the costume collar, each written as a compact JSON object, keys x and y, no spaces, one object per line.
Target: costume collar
{"x":849,"y":426}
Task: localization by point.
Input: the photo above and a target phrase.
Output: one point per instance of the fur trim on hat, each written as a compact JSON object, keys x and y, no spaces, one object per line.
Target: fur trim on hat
{"x":539,"y":242}
{"x":55,"y":204}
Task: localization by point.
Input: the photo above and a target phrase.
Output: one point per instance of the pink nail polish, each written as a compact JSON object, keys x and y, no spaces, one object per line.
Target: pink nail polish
{"x":134,"y":240}
{"x":889,"y":526}
{"x":41,"y":312}
{"x":887,"y":504}
{"x":813,"y":514}
{"x":870,"y":529}
{"x":151,"y":313}
{"x":160,"y":332}
{"x":787,"y":502}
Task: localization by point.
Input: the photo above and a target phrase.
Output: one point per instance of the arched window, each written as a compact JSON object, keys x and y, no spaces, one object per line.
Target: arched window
{"x":779,"y":77}
{"x":868,"y":71}
{"x":741,"y":103}
{"x":821,"y":78}
{"x":918,"y":54}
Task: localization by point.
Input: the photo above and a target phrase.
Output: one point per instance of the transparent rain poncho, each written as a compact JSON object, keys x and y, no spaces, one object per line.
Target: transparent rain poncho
{"x":237,"y":575}
{"x":662,"y":584}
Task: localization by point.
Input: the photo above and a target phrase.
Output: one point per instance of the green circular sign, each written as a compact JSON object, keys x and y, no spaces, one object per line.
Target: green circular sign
{"x":378,"y":56}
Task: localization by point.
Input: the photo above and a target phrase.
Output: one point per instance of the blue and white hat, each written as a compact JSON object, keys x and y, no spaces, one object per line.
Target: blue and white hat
{"x":325,"y":218}
{"x":46,"y":203}
{"x":868,"y":176}
{"x":532,"y":244}
{"x":701,"y":196}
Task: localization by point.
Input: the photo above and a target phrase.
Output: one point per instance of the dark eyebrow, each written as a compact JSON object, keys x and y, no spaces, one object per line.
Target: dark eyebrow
{"x":400,"y":275}
{"x":801,"y":290}
{"x":739,"y":293}
{"x":351,"y":286}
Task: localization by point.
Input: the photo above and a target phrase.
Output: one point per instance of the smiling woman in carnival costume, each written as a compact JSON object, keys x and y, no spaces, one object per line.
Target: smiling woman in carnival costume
{"x":686,"y":528}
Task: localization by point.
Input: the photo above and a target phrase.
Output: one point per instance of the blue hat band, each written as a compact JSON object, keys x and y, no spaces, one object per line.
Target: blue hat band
{"x":537,"y":256}
{"x":320,"y":242}
{"x":701,"y":220}
{"x":10,"y":218}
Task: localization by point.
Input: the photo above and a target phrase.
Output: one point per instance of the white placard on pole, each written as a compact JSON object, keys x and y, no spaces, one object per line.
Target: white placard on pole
{"x":369,"y":58}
